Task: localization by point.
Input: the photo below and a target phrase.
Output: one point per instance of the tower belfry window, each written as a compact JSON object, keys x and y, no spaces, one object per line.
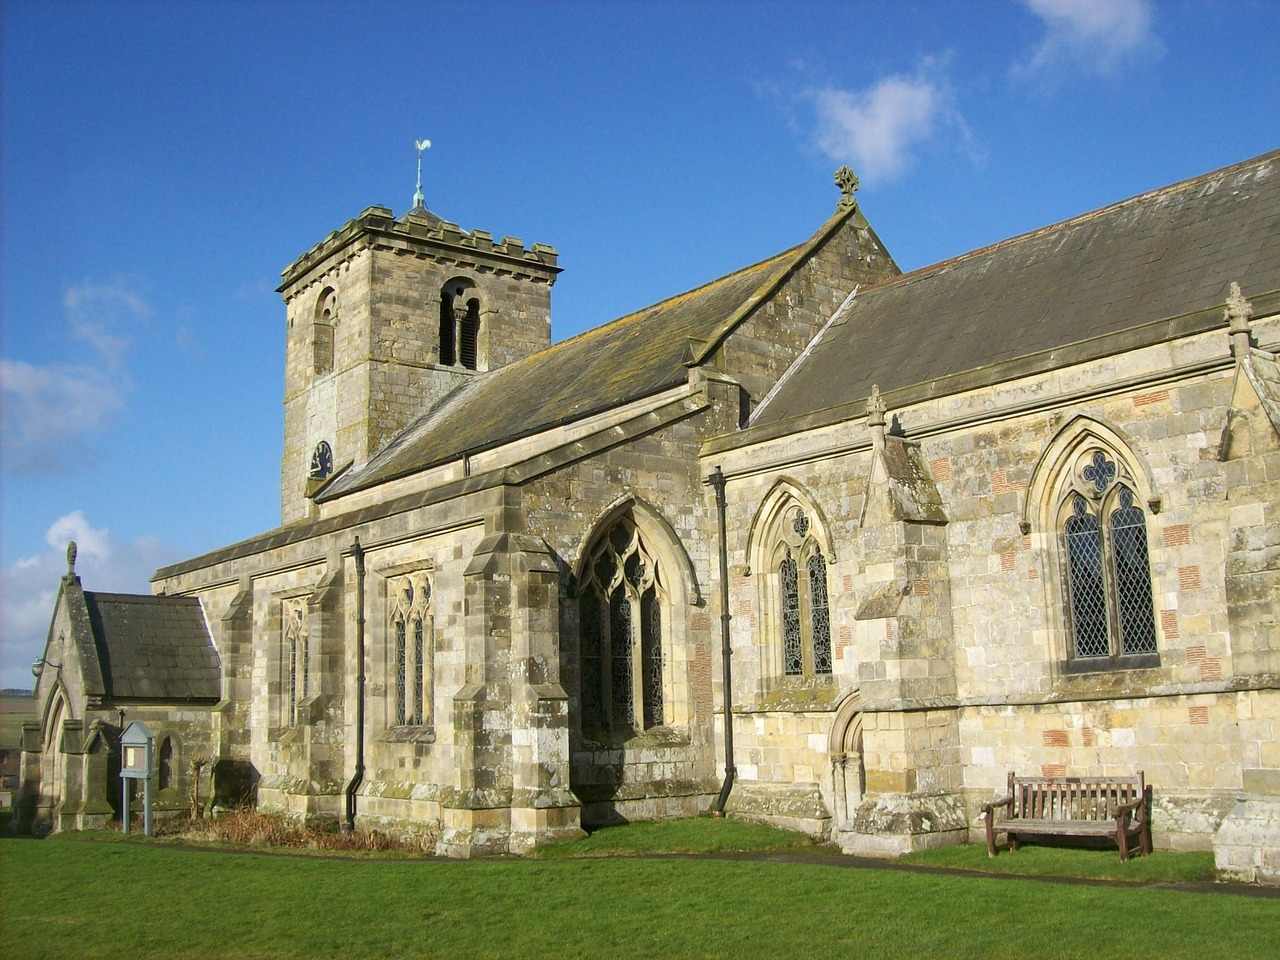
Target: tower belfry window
{"x":459,"y":325}
{"x":322,"y":331}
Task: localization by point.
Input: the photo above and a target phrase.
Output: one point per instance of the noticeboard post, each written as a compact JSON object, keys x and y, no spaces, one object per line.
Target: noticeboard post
{"x":137,"y":744}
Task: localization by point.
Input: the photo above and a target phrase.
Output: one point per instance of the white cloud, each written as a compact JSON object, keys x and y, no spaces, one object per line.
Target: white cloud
{"x":52,"y":411}
{"x":875,"y":130}
{"x":29,"y":587}
{"x":90,"y":543}
{"x":95,"y":311}
{"x":1098,"y":36}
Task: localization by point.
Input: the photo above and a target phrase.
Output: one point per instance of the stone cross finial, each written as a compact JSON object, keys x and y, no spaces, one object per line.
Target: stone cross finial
{"x":71,"y":558}
{"x":1238,"y":313}
{"x":875,"y":416}
{"x":848,"y":183}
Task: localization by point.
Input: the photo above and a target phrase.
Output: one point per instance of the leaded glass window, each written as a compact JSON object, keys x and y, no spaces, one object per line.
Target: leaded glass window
{"x":1108,"y":571}
{"x":819,"y":619}
{"x":804,"y":613}
{"x":620,"y":615}
{"x":792,"y":646}
{"x":410,"y":654}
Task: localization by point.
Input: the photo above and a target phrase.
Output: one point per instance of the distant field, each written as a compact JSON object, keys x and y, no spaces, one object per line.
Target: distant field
{"x":13,"y":711}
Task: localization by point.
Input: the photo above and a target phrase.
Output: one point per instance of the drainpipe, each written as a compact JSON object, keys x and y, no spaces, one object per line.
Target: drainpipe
{"x":357,"y":552}
{"x":717,"y":482}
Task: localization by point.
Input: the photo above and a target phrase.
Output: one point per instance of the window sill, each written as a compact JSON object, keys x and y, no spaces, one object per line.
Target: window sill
{"x":408,"y":734}
{"x":654,"y":737}
{"x":1142,"y":661}
{"x":817,"y":692}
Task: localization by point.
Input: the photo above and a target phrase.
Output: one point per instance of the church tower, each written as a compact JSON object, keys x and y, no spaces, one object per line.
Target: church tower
{"x":384,"y":317}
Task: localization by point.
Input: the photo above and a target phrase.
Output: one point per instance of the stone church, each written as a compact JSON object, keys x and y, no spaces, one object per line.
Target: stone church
{"x":885,"y":537}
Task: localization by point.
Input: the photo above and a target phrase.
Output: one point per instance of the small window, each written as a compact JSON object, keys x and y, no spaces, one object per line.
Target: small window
{"x":166,"y":763}
{"x":459,"y":325}
{"x":322,"y":331}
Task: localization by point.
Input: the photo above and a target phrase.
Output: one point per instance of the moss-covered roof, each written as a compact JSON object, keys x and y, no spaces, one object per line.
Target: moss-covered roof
{"x":1162,"y":255}
{"x":632,"y":357}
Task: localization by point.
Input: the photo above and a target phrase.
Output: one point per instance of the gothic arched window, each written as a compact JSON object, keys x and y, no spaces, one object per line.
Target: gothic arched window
{"x":1110,"y":610}
{"x":620,"y":606}
{"x":411,"y":617}
{"x":804,"y":614}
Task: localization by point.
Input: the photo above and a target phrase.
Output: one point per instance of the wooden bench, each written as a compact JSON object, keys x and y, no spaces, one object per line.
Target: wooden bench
{"x":1113,"y":807}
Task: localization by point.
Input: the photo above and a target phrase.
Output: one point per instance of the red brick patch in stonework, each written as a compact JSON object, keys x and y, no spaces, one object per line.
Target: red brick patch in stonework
{"x":1211,"y":669}
{"x":1169,"y":624}
{"x":1053,"y":770}
{"x":941,"y":469}
{"x":700,"y":621}
{"x":1145,"y":399}
{"x":1006,"y":561}
{"x":845,"y":639}
{"x":1178,"y":535}
{"x":1087,"y":736}
{"x":1195,"y":654}
{"x":744,"y":608}
{"x":1033,"y":574}
{"x":848,"y":583}
{"x":1026,"y":541}
{"x":1198,"y":714}
{"x":1189,"y":578}
{"x":920,"y":588}
{"x":1054,"y":738}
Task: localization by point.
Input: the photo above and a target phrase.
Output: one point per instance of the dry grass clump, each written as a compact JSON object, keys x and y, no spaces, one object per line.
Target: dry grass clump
{"x":253,"y":828}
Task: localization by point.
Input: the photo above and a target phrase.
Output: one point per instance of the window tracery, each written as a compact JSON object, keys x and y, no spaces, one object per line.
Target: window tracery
{"x":803,"y":609}
{"x":1110,"y":609}
{"x":411,"y":617}
{"x":620,"y":605}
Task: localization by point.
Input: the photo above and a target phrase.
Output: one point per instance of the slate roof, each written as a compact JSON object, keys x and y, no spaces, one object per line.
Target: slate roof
{"x":1162,"y":255}
{"x":633,"y":357}
{"x":153,"y":648}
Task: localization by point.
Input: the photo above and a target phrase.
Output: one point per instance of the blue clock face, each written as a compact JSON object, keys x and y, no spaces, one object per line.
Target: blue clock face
{"x":321,"y":461}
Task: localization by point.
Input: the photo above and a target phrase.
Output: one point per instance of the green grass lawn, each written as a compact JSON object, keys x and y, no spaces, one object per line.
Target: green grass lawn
{"x":86,"y":900}
{"x":1048,"y":861}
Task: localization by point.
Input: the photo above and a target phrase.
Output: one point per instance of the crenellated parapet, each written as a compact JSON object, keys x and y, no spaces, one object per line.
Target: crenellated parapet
{"x":422,"y":234}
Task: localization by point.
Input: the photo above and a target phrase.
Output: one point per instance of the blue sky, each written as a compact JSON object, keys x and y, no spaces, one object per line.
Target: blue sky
{"x":162,"y":163}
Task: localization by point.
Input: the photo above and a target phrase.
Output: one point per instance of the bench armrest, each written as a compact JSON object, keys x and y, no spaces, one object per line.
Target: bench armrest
{"x":989,"y":808}
{"x":1137,"y":807}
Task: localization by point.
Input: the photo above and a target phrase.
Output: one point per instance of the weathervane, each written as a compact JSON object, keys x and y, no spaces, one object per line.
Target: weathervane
{"x":417,"y":197}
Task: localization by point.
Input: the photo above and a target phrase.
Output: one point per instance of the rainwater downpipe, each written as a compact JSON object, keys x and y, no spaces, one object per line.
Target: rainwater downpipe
{"x":357,"y":553}
{"x":717,"y":482}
